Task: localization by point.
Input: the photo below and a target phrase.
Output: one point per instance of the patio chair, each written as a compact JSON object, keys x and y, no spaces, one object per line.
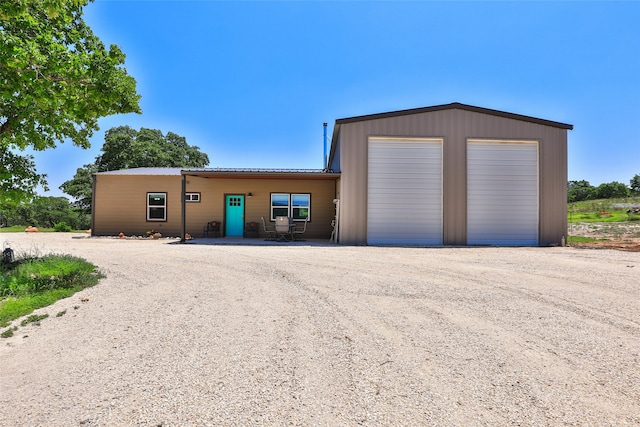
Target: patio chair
{"x":283,"y":228}
{"x":251,"y":227}
{"x":212,"y":227}
{"x":300,"y":230}
{"x":269,"y":230}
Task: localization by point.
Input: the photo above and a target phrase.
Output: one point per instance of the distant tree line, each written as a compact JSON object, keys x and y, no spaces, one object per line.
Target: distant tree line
{"x":44,"y":212}
{"x":581,"y":190}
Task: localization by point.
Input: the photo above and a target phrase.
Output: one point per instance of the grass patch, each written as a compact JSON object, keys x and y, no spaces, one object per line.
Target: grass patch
{"x":581,"y":239}
{"x":31,"y":283}
{"x":21,"y":228}
{"x":34,"y":318}
{"x":602,"y":210}
{"x":13,"y":308}
{"x":8,"y":333}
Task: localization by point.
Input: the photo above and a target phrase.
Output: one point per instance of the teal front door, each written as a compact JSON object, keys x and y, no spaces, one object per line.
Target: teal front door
{"x":234,"y":215}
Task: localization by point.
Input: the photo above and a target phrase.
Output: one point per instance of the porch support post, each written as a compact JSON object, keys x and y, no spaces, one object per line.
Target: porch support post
{"x":184,"y":209}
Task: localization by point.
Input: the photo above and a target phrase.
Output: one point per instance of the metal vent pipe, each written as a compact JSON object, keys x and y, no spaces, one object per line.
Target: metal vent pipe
{"x":324,"y":125}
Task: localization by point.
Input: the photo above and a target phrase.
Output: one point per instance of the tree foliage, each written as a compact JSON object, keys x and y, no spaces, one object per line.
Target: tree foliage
{"x":56,"y":80}
{"x":126,"y":148}
{"x":57,"y":77}
{"x":18,"y":177}
{"x":44,"y":212}
{"x":579,"y":191}
{"x":635,"y":185}
{"x":80,"y":187}
{"x":612,"y":189}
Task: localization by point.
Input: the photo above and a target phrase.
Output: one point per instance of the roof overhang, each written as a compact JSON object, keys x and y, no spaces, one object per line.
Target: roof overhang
{"x":261,"y":173}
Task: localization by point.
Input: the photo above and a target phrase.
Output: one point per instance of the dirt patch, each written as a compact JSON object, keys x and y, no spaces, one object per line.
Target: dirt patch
{"x":619,"y":235}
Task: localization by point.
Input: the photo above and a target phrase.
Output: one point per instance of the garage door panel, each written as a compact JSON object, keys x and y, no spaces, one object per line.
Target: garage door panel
{"x":502,"y":192}
{"x":404,"y":191}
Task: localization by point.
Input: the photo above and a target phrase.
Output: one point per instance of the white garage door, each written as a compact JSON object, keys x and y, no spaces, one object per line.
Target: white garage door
{"x":404,"y":191}
{"x":502,"y":192}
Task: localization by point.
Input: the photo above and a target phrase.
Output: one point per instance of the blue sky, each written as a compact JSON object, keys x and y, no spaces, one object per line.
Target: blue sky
{"x":251,"y":83}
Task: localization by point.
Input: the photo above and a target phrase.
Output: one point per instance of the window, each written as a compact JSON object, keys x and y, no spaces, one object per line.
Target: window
{"x":279,"y":205}
{"x":156,"y":206}
{"x":192,"y":197}
{"x":296,"y":206}
{"x":300,"y":204}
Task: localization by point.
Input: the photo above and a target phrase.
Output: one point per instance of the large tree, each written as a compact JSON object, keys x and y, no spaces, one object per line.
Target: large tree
{"x":126,"y":148}
{"x":56,"y":80}
{"x":579,"y":191}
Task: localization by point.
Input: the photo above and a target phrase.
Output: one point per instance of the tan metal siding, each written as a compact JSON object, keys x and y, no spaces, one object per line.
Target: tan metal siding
{"x":120,"y":202}
{"x":455,"y":127}
{"x":212,"y":206}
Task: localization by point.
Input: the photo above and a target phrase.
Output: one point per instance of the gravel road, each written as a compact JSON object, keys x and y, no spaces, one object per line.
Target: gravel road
{"x":237,"y":335}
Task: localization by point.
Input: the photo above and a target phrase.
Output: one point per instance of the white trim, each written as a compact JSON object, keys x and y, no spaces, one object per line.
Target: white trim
{"x":192,"y":197}
{"x":163,"y":206}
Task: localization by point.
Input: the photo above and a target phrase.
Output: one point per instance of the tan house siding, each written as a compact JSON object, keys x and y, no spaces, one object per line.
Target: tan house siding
{"x":120,"y":202}
{"x":214,"y":190}
{"x":455,"y":126}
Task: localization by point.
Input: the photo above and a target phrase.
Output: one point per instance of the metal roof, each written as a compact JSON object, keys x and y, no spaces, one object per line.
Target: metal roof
{"x":452,"y":106}
{"x":227,"y":172}
{"x":143,"y":171}
{"x":251,"y":170}
{"x":262,"y":172}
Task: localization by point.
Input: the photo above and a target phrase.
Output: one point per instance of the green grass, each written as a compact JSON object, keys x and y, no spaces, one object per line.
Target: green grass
{"x":601,"y":210}
{"x":581,"y":239}
{"x":21,"y":228}
{"x":34,"y":282}
{"x":13,"y":308}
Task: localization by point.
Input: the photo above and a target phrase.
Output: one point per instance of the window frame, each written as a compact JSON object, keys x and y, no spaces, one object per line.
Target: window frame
{"x":290,"y":207}
{"x":163,"y":206}
{"x":189,"y":197}
{"x":279,"y":206}
{"x":307,"y":206}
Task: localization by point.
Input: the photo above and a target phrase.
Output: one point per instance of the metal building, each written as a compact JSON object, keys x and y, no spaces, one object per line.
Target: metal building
{"x":450,"y":174}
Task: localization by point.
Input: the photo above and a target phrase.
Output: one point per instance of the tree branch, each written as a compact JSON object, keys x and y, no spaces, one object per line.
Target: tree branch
{"x":53,"y":78}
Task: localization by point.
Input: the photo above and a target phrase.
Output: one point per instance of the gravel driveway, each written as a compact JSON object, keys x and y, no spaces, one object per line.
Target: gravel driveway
{"x":236,"y":335}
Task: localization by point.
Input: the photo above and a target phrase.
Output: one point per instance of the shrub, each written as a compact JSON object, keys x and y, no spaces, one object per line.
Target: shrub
{"x":62,"y":226}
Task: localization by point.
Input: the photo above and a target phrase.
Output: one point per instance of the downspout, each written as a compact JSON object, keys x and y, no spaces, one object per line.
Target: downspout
{"x":326,"y":166}
{"x":94,"y":179}
{"x":183,"y":233}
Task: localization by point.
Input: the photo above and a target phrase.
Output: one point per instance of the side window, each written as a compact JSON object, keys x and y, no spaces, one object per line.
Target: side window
{"x":156,"y":206}
{"x":192,"y":197}
{"x":300,"y":206}
{"x":279,"y":205}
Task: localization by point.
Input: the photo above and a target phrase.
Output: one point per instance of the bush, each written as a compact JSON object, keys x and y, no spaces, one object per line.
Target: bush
{"x":62,"y":226}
